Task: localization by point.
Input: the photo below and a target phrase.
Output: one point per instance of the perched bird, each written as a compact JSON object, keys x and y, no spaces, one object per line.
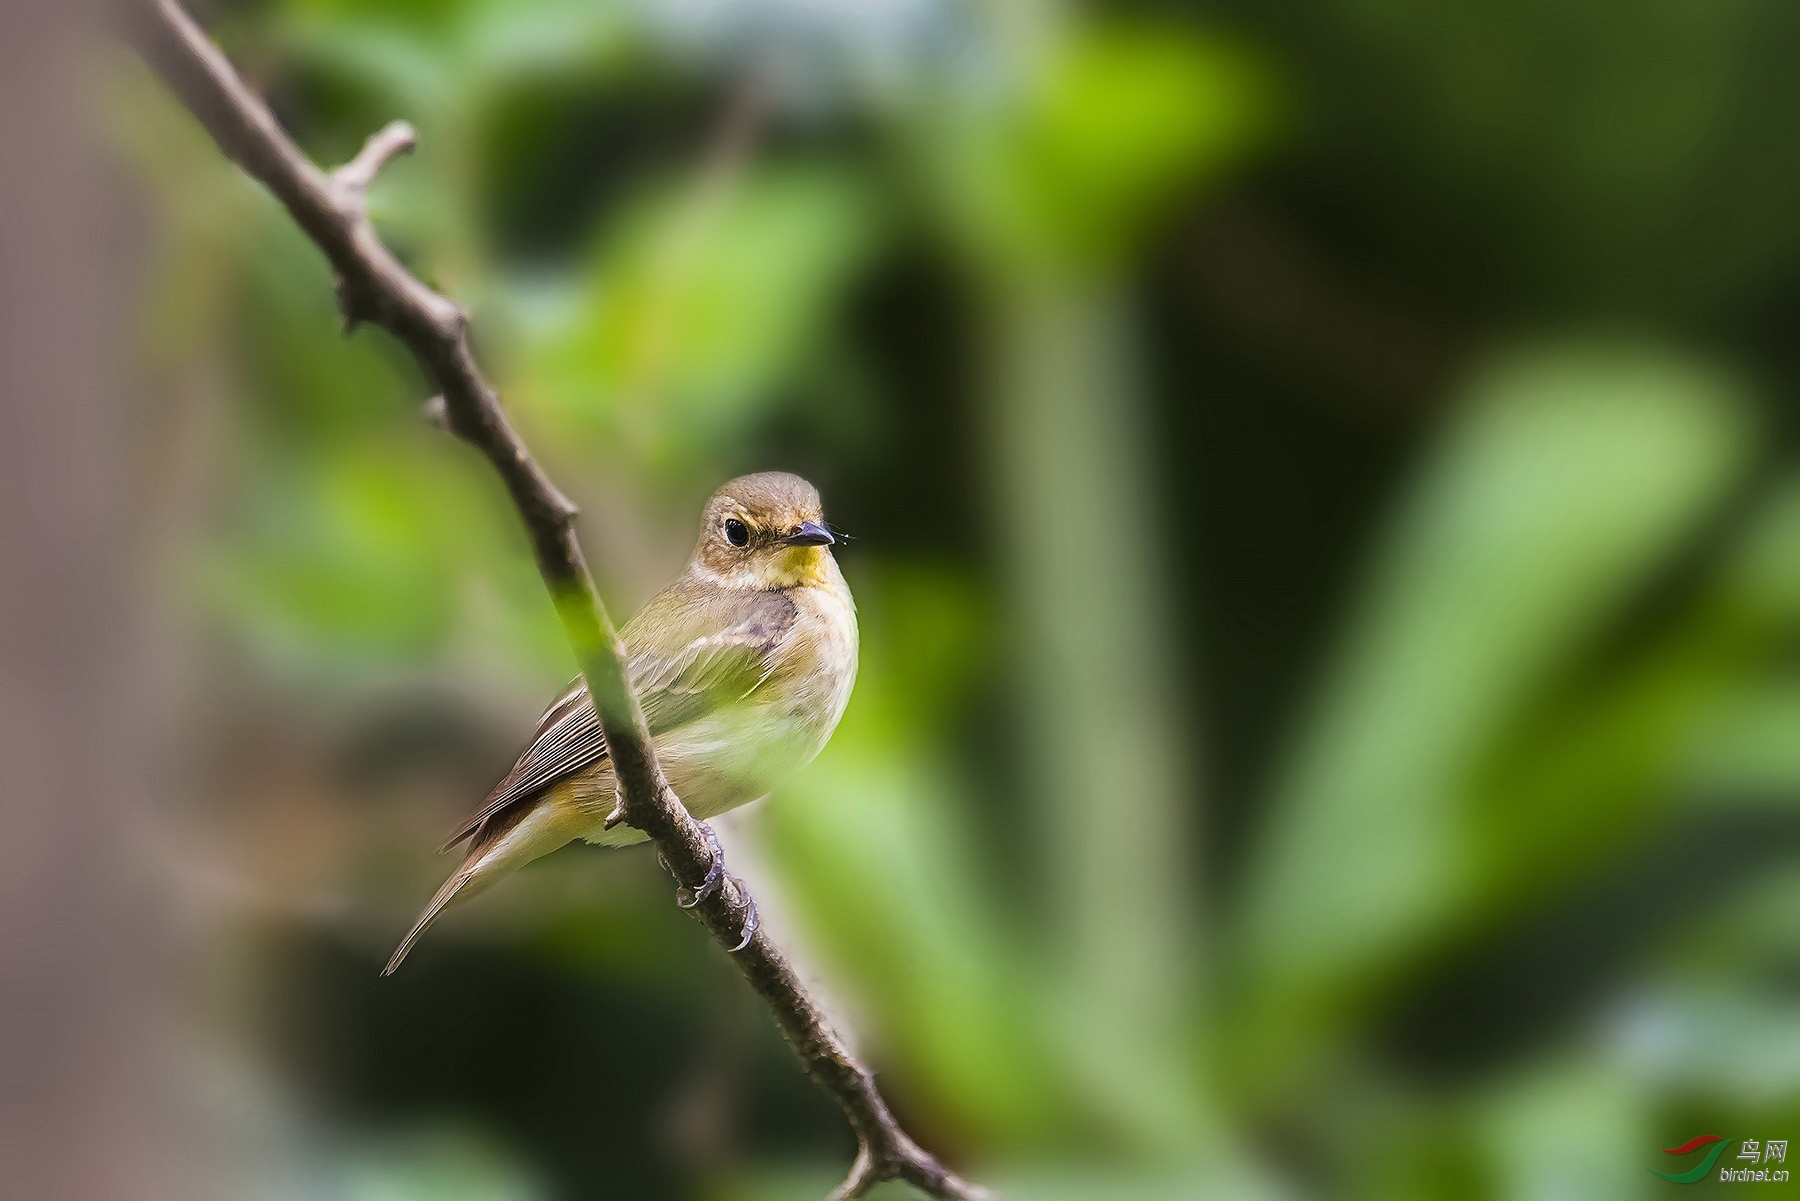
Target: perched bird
{"x":743,"y":666}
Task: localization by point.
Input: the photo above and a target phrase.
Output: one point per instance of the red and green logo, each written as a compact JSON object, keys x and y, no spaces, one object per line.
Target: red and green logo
{"x":1718,"y":1142}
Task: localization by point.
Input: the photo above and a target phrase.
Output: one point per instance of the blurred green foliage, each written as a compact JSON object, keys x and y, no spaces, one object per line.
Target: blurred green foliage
{"x":1473,"y":877}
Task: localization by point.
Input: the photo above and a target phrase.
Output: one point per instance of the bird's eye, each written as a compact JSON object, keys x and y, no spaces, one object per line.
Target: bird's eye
{"x":736,"y":532}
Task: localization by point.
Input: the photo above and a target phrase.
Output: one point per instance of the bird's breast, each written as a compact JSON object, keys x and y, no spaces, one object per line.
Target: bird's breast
{"x":821,"y":652}
{"x":743,"y":751}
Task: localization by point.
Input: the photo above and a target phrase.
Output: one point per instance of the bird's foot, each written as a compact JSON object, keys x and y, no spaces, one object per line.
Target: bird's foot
{"x":715,"y":873}
{"x":715,"y":879}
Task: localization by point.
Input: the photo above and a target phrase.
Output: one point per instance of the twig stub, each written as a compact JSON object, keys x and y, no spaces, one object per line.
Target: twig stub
{"x":352,"y":180}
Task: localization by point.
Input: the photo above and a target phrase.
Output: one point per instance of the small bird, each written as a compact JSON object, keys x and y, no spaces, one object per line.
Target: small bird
{"x":743,"y":666}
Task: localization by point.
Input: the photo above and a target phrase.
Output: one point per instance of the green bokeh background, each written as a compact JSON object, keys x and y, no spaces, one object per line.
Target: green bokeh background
{"x":1327,"y":545}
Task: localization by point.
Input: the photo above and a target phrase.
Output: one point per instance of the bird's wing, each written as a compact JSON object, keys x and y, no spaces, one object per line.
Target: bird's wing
{"x":568,"y":738}
{"x":727,"y":649}
{"x":710,"y":651}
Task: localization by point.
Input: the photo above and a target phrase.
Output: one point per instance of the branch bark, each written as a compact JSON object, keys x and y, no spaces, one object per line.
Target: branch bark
{"x":374,"y":287}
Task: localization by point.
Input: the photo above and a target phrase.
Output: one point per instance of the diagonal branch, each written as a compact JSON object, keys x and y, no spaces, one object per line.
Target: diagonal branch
{"x":374,"y":287}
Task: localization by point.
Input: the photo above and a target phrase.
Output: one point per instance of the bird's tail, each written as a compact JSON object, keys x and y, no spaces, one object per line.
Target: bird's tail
{"x":504,"y":843}
{"x":458,"y":879}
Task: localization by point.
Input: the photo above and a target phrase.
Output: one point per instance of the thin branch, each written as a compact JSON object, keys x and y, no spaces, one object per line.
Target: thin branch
{"x":374,"y":287}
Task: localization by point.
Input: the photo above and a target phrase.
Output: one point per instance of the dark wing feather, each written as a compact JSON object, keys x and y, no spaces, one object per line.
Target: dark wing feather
{"x":721,"y":650}
{"x":568,"y":738}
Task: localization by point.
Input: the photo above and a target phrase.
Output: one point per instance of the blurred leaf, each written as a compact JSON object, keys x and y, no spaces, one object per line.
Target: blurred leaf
{"x":404,"y":68}
{"x":1750,"y":751}
{"x":312,"y":390}
{"x":1749,"y":748}
{"x":507,"y":39}
{"x":441,"y":1165}
{"x":1219,"y":1180}
{"x":1688,"y":713}
{"x":1408,"y":1148}
{"x":1119,"y":123}
{"x":1571,"y":474}
{"x":427,"y":56}
{"x":1575,"y":1129}
{"x":701,"y":302}
{"x":350,"y":562}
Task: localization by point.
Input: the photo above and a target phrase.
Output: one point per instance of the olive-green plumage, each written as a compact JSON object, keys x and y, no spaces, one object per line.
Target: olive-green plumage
{"x":743,"y":666}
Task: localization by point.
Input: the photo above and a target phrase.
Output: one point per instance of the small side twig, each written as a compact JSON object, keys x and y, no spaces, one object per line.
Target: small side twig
{"x":349,"y":187}
{"x":374,"y":287}
{"x":352,"y":180}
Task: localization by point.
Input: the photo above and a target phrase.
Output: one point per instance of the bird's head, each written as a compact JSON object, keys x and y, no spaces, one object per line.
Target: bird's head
{"x":765,"y":531}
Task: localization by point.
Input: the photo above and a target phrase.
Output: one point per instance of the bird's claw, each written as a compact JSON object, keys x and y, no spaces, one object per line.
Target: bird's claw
{"x":751,"y":918}
{"x":715,"y":879}
{"x":715,"y":874}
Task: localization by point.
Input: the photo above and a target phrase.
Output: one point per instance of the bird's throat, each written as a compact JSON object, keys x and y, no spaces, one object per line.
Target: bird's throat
{"x":799,"y":567}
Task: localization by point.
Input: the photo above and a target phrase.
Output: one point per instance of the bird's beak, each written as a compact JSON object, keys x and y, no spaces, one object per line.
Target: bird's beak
{"x":809,"y":533}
